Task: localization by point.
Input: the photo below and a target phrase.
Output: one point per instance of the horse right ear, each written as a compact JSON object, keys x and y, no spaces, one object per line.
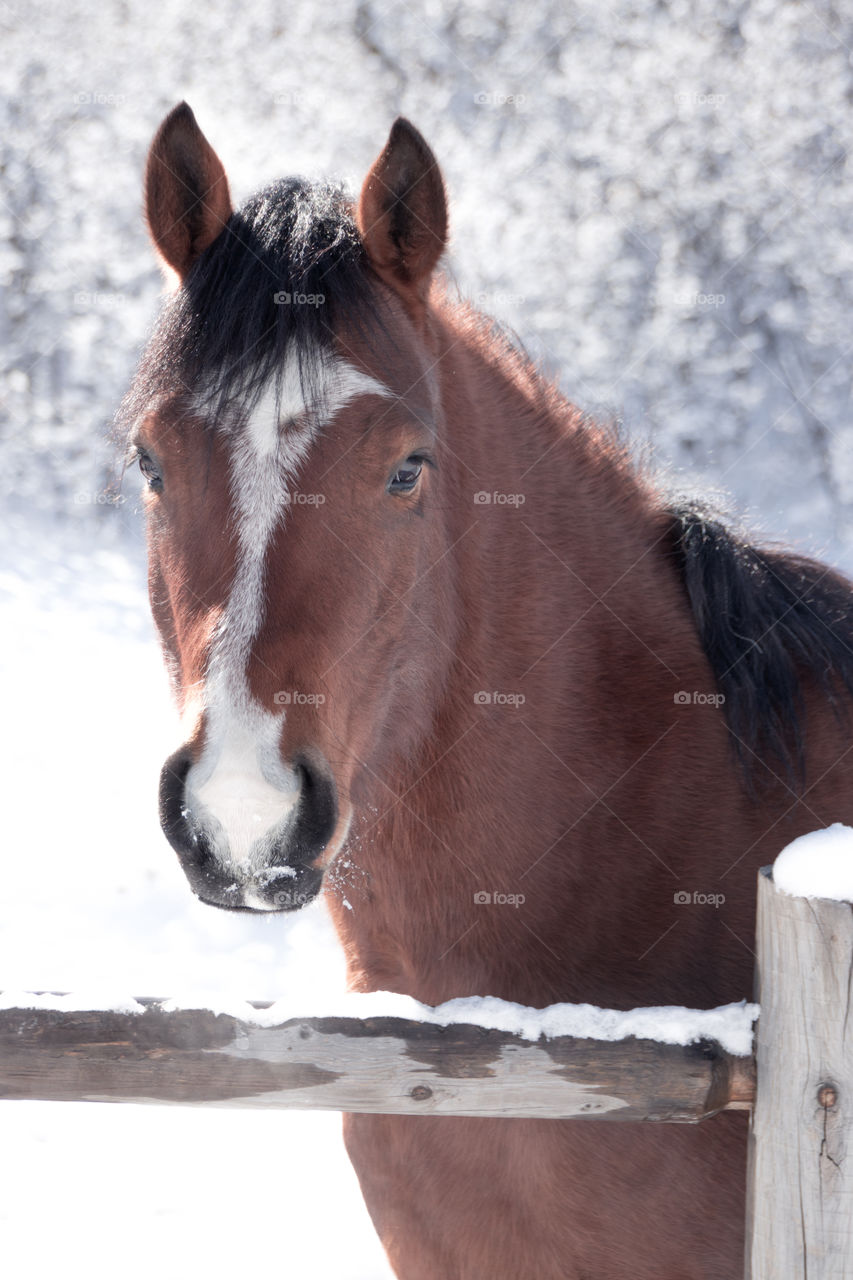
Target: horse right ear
{"x":187,"y":201}
{"x":402,"y":211}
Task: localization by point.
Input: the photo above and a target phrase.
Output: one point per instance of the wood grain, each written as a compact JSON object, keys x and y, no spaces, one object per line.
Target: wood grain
{"x":352,"y":1064}
{"x":800,"y":1208}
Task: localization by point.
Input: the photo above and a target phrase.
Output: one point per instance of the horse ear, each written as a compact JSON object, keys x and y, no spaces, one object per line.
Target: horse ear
{"x":402,"y":210}
{"x":187,"y":201}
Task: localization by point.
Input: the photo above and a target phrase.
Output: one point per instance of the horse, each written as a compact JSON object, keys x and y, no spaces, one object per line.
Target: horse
{"x":447,"y":652}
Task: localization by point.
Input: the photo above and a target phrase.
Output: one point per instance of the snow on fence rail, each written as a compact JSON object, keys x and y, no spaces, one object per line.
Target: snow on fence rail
{"x":385,"y":1053}
{"x":438,"y":1062}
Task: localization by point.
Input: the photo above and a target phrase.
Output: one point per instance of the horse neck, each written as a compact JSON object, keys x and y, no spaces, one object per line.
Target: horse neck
{"x":524,"y":574}
{"x":572,"y":508}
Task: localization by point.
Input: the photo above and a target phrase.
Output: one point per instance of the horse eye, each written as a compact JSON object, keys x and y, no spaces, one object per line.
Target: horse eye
{"x":405,"y":478}
{"x":148,"y":467}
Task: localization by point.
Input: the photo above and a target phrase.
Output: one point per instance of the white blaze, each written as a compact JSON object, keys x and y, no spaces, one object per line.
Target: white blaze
{"x":239,"y":791}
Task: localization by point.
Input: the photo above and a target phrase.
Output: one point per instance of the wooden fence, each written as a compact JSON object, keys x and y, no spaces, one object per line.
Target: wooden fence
{"x":800,"y":1207}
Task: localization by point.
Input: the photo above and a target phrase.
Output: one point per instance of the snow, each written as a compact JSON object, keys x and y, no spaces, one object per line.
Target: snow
{"x":730,"y":1025}
{"x":94,"y":902}
{"x":88,"y":1189}
{"x":818,"y":865}
{"x":70,"y":1002}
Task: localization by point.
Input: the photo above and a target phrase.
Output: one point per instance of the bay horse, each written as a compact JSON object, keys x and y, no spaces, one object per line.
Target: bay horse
{"x":442,"y":649}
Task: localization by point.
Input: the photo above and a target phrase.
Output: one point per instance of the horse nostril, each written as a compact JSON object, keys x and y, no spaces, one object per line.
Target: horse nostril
{"x":318,"y":808}
{"x":307,"y":781}
{"x":173,"y":777}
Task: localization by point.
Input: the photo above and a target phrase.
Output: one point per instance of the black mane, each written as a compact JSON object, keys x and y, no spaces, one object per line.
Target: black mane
{"x":768,"y":620}
{"x":223,"y":335}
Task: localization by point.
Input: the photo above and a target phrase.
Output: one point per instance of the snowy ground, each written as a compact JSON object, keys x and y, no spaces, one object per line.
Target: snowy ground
{"x":93,"y":898}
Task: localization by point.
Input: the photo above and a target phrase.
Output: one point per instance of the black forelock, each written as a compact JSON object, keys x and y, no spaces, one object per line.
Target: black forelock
{"x":276,"y":283}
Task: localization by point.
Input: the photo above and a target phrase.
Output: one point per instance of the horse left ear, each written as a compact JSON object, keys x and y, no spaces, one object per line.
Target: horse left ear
{"x":186,"y":191}
{"x":402,"y":210}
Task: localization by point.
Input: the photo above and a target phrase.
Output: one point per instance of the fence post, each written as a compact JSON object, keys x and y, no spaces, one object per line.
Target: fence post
{"x":800,"y":1194}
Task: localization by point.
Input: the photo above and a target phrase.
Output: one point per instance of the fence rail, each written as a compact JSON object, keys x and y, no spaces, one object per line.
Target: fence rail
{"x":351,"y":1064}
{"x":799,"y":1084}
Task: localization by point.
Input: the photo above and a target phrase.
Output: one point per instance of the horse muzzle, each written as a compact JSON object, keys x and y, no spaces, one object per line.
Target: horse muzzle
{"x":246,"y":846}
